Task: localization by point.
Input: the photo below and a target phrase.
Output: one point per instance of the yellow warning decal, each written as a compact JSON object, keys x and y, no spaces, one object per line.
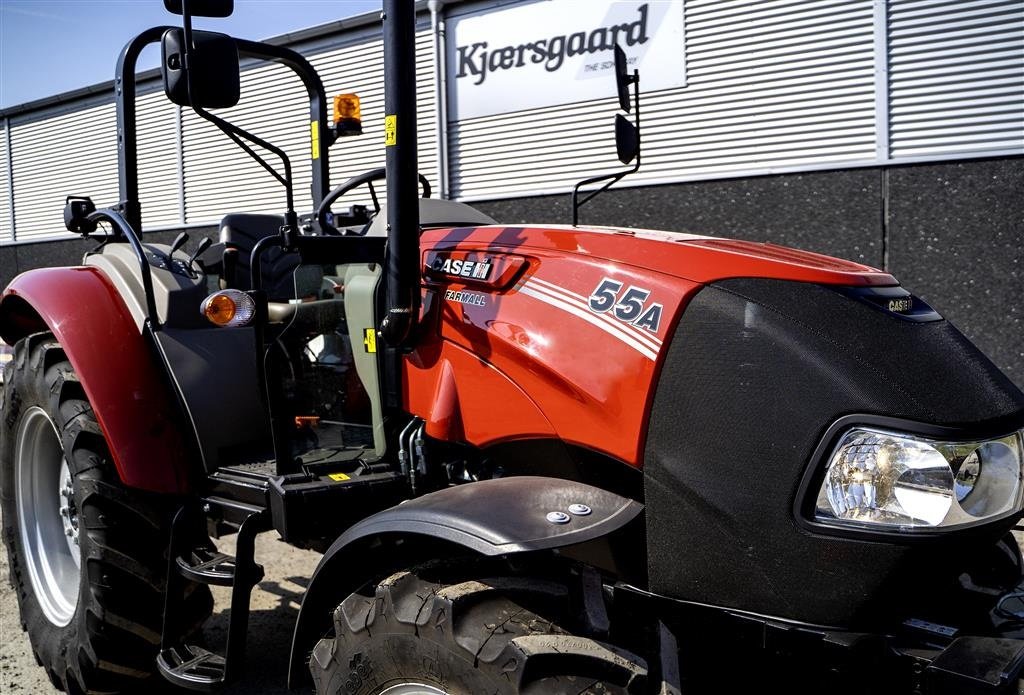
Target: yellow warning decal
{"x":337,"y":477}
{"x":390,"y":130}
{"x":314,"y":137}
{"x":370,"y":339}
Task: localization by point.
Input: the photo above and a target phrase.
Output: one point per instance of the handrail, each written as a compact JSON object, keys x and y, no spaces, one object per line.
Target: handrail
{"x":124,"y":229}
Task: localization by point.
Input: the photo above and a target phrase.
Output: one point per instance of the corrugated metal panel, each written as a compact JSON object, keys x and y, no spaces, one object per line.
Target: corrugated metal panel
{"x":770,"y":85}
{"x":956,"y":76}
{"x":159,"y":181}
{"x":5,"y":189}
{"x":61,"y":154}
{"x":220,"y":178}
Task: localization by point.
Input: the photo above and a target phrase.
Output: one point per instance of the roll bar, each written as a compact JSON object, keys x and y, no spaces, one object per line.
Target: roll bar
{"x":129,"y":206}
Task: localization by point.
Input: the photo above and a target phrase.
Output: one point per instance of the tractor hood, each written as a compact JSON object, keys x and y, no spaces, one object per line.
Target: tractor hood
{"x":693,"y":257}
{"x":721,"y":369}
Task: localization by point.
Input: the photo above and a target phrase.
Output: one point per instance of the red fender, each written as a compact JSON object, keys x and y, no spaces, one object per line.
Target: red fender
{"x":117,"y":369}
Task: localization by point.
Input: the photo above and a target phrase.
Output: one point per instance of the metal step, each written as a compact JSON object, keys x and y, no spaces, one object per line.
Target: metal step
{"x":207,"y":566}
{"x":192,"y":667}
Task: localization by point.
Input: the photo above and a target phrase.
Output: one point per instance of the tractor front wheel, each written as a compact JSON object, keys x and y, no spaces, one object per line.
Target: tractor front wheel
{"x":87,"y":555}
{"x":443,"y":630}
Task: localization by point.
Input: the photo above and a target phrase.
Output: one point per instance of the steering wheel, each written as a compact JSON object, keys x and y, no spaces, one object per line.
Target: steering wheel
{"x":366,"y":178}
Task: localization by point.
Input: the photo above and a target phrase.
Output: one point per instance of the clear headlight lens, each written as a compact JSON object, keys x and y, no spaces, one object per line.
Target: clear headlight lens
{"x":890,"y":479}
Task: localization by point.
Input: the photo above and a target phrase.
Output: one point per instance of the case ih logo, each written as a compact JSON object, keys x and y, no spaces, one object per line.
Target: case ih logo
{"x":477,"y":60}
{"x":476,"y":270}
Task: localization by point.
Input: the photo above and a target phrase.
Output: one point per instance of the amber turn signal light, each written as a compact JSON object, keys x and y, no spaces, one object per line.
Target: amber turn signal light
{"x":348,"y":118}
{"x":229,"y":308}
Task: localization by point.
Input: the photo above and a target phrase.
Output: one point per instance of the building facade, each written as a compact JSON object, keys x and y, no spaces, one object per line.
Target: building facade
{"x":885,"y":131}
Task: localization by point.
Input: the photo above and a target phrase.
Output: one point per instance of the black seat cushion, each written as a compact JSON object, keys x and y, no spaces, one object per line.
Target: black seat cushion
{"x":240,"y":232}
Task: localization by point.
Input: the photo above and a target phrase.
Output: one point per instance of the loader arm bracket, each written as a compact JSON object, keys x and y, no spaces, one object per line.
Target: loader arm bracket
{"x":492,"y":517}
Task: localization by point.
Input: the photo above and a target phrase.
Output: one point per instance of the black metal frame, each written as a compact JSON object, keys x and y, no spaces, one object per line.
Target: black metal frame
{"x":402,"y":270}
{"x":614,"y":176}
{"x":129,"y":206}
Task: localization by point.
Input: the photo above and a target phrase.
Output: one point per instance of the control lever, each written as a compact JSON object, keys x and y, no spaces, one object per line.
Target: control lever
{"x":203,"y":245}
{"x":179,"y":241}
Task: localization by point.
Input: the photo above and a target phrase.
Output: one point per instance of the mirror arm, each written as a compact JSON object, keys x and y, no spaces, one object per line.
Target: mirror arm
{"x":577,"y":204}
{"x":317,"y":104}
{"x":236,"y":134}
{"x":616,"y":176}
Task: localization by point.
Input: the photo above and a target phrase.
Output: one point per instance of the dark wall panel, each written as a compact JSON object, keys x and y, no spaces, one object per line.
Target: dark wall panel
{"x":956,"y":237}
{"x":833,"y":212}
{"x":954,"y":232}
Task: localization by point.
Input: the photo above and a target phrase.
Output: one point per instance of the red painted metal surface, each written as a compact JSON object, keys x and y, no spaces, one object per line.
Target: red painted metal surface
{"x":115,"y":366}
{"x":500,"y":361}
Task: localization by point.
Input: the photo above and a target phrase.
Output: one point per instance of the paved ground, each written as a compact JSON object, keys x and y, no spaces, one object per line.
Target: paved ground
{"x":275,"y":603}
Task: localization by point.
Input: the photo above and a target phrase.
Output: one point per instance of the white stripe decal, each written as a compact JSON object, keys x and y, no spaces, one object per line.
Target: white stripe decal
{"x":643,"y":336}
{"x":590,"y":318}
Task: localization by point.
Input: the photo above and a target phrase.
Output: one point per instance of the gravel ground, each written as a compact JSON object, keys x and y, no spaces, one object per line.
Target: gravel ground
{"x":275,"y":605}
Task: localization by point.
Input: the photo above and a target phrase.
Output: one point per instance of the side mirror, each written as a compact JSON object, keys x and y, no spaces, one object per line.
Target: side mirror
{"x":627,"y":139}
{"x":202,"y":8}
{"x":76,"y":210}
{"x":622,"y":80}
{"x":213,"y":77}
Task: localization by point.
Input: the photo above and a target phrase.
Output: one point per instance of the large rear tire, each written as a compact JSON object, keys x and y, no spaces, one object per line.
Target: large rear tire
{"x":445,"y":629}
{"x":87,"y":555}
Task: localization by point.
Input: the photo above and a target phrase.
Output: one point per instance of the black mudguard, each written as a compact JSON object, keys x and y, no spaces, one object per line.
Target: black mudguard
{"x":492,"y":517}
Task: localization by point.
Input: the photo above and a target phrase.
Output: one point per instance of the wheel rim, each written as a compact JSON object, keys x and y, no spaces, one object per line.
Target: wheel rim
{"x":47,"y":516}
{"x":413,"y":689}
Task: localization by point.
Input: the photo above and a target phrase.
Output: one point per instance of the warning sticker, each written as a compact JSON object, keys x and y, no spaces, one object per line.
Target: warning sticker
{"x":370,"y":339}
{"x":314,"y":137}
{"x":338,"y":477}
{"x":390,"y":130}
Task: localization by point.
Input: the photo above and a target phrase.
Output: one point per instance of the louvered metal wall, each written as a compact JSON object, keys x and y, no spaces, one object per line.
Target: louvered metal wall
{"x":73,"y":152}
{"x":6,"y":226}
{"x":771,"y":85}
{"x":159,"y":176}
{"x":956,"y":73}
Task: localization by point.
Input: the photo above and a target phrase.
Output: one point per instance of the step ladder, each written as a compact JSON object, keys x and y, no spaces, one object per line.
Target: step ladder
{"x":191,"y":666}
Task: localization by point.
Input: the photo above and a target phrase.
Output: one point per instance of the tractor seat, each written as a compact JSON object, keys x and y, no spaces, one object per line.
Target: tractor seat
{"x":240,"y":232}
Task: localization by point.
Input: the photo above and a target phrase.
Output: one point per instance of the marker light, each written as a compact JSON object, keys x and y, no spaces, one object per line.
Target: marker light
{"x":348,"y":119}
{"x":898,"y":481}
{"x":229,"y":308}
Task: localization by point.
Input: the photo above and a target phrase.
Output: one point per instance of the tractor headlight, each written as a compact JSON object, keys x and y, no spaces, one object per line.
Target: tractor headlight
{"x":897,"y":481}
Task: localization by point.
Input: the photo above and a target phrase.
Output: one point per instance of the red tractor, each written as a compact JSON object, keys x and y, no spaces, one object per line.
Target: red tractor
{"x":537,"y":459}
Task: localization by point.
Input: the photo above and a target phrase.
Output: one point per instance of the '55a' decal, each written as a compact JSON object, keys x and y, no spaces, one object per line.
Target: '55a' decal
{"x":631,"y":307}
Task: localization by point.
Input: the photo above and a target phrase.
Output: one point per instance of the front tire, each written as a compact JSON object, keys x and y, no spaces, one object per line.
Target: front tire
{"x":442,"y":629}
{"x":87,"y":555}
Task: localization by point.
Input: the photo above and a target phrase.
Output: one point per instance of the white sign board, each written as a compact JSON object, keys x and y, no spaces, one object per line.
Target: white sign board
{"x":537,"y":54}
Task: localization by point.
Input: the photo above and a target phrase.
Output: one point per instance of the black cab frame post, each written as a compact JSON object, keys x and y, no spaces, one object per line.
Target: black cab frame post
{"x":321,"y":137}
{"x":403,"y":287}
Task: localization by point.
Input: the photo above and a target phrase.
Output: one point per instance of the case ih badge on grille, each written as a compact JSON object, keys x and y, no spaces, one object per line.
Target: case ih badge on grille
{"x":463,"y":268}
